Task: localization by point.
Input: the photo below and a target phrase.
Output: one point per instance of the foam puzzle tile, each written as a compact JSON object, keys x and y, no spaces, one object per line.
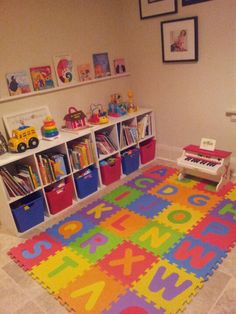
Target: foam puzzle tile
{"x":130,"y":303}
{"x":69,"y":229}
{"x":91,"y":293}
{"x":60,"y":269}
{"x":232,"y":194}
{"x":127,"y":262}
{"x":143,"y":183}
{"x":98,"y":210}
{"x":124,"y":223}
{"x":95,"y":244}
{"x":159,"y":172}
{"x":179,"y":217}
{"x":210,"y":187}
{"x":195,"y":256}
{"x":148,"y":205}
{"x":122,"y":196}
{"x":167,"y":286}
{"x":188,"y":181}
{"x":215,"y":231}
{"x":35,"y":250}
{"x":156,"y":238}
{"x":190,"y":197}
{"x":226,"y":209}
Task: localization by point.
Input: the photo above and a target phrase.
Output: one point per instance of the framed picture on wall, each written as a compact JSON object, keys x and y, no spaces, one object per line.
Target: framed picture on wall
{"x":153,"y":8}
{"x":188,"y":2}
{"x":180,"y":40}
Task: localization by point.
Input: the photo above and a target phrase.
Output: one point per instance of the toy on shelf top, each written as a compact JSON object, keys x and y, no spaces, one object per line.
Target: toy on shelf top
{"x":75,"y":119}
{"x":131,"y":106}
{"x":22,"y":138}
{"x":116,"y":106}
{"x":49,"y":129}
{"x":98,"y":115}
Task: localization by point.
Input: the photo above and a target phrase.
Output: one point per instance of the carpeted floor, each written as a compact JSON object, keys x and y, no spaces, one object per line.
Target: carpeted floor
{"x":145,"y":247}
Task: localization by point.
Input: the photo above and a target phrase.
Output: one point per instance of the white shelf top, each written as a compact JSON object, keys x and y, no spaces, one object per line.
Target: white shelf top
{"x":66,"y":137}
{"x":59,"y":88}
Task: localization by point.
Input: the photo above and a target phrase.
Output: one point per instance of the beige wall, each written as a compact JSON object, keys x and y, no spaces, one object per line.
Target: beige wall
{"x":32,"y":32}
{"x":190,"y":99}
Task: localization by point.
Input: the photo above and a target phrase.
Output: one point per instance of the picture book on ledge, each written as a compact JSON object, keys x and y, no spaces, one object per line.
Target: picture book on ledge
{"x":18,"y":83}
{"x":84,"y":72}
{"x":41,"y":77}
{"x":119,"y":66}
{"x":64,"y":69}
{"x":101,"y":65}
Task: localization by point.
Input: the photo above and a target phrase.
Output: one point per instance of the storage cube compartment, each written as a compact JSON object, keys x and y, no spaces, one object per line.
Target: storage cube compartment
{"x":110,"y":170}
{"x":60,"y":195}
{"x":87,"y":182}
{"x":147,"y":150}
{"x":130,"y":160}
{"x":29,"y":211}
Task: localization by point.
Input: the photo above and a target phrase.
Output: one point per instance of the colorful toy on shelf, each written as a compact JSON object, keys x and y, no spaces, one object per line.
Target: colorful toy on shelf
{"x":98,"y":115}
{"x":49,"y":129}
{"x":131,"y":106}
{"x":116,"y":107}
{"x":75,"y":119}
{"x":22,"y":138}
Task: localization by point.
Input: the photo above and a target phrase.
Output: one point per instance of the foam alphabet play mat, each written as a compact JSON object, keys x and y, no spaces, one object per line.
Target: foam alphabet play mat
{"x":147,"y":246}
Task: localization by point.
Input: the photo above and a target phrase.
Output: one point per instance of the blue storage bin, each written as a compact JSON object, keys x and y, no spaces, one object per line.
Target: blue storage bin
{"x":28,"y":212}
{"x":87,"y":184}
{"x":130,"y":160}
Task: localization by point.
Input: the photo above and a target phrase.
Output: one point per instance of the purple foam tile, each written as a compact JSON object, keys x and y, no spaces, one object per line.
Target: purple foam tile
{"x":98,"y":211}
{"x":226,"y":210}
{"x":130,"y":303}
{"x":148,"y":205}
{"x":143,"y":183}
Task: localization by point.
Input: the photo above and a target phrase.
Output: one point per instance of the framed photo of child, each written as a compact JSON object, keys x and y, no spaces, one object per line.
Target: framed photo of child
{"x":180,"y":40}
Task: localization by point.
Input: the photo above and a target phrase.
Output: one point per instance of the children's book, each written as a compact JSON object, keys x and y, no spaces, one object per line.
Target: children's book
{"x":64,"y":69}
{"x":18,"y":83}
{"x":41,"y":77}
{"x":119,"y":66}
{"x":101,"y":65}
{"x":84,"y":72}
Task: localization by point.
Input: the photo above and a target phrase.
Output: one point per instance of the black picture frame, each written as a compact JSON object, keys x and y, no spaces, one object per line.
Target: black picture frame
{"x":189,"y":2}
{"x":180,"y":40}
{"x":154,"y":8}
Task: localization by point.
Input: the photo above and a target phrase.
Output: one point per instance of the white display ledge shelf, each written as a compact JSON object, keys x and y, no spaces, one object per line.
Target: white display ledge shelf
{"x":59,"y":88}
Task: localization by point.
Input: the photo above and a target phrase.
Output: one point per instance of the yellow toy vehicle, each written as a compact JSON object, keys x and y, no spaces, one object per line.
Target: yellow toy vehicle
{"x":23,"y":138}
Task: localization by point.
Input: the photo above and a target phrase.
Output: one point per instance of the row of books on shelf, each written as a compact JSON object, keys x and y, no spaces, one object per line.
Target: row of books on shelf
{"x":129,"y":135}
{"x":105,"y":144}
{"x":144,"y":126}
{"x":18,"y":82}
{"x":82,"y":154}
{"x":19,"y":181}
{"x":52,"y":166}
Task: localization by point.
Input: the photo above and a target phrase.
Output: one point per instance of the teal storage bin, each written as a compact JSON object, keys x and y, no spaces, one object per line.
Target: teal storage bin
{"x":28,"y":212}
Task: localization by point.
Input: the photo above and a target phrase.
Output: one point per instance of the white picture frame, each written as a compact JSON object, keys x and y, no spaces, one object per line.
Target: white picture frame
{"x":154,"y":8}
{"x":180,"y":40}
{"x":32,"y":117}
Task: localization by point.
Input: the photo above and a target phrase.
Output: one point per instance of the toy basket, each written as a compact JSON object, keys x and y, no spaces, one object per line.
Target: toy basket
{"x":75,"y":119}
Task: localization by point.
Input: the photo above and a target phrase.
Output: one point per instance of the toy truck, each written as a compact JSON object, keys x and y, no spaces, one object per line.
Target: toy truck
{"x":23,"y":138}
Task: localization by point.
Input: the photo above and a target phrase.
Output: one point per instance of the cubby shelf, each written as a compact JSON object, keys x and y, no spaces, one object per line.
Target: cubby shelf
{"x":60,"y":88}
{"x":63,"y":145}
